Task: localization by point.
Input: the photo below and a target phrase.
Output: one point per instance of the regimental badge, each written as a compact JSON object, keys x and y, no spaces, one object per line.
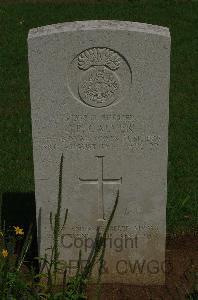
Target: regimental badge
{"x":99,"y":85}
{"x":99,"y":77}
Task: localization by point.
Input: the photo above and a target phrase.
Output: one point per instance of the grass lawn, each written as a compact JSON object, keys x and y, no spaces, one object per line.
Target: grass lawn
{"x":16,"y":164}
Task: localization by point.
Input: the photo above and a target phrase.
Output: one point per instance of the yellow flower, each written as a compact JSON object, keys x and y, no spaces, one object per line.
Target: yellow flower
{"x":18,"y":230}
{"x":1,"y":234}
{"x":5,"y":253}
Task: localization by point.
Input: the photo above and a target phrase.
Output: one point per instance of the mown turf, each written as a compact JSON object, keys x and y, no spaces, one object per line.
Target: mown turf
{"x":16,"y":166}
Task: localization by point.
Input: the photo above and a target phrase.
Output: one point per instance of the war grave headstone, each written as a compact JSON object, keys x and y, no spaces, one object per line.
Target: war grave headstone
{"x":100,"y":96}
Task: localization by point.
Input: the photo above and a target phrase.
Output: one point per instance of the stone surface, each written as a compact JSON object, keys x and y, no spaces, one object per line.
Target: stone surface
{"x":99,"y":95}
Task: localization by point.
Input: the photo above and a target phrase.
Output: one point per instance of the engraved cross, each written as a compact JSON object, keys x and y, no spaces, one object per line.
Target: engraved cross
{"x":100,"y":181}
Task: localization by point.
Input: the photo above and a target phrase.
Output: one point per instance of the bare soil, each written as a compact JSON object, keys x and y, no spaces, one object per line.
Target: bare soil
{"x":181,"y":269}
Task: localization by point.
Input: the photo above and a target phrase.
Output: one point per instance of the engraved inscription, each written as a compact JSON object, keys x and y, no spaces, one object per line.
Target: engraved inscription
{"x":108,"y":131}
{"x":89,"y":132}
{"x":100,"y":181}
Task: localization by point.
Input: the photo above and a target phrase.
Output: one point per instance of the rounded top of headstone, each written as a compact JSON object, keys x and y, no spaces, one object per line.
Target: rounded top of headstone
{"x":99,"y":25}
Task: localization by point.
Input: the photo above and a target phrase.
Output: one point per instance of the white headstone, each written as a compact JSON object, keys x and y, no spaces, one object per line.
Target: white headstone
{"x":100,"y":95}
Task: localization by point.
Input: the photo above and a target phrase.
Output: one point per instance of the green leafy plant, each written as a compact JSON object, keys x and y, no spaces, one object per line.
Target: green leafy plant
{"x":73,"y":287}
{"x":13,"y":284}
